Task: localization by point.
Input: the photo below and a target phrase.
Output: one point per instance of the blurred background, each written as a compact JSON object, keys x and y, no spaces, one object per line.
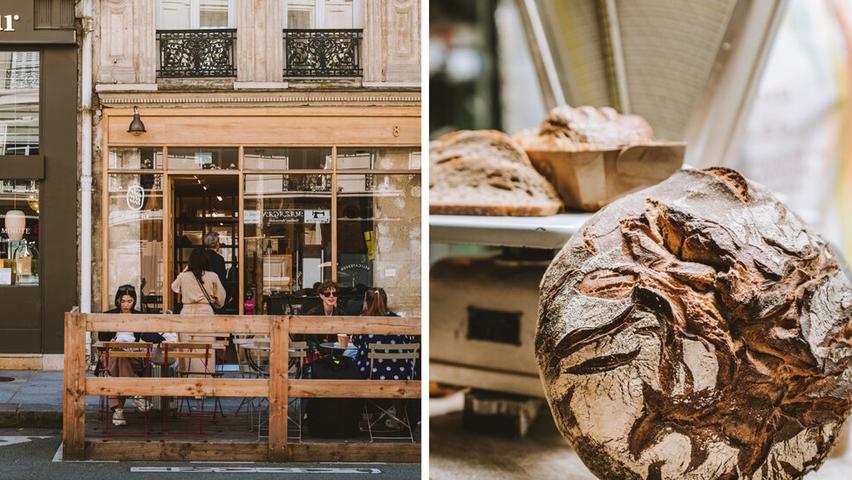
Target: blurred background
{"x":762,"y":87}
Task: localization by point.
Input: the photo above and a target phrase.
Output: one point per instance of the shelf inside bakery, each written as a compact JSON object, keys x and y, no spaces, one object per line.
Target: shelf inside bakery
{"x":532,"y":232}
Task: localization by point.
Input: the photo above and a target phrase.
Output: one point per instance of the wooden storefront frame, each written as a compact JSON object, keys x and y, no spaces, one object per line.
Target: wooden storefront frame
{"x":278,"y":388}
{"x":401,"y":129}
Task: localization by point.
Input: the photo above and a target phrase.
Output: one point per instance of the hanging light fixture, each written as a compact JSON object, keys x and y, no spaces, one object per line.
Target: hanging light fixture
{"x":136,"y":126}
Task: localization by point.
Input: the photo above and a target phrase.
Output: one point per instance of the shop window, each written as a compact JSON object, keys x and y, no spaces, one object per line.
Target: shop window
{"x":135,"y":233}
{"x":378,"y":159}
{"x":378,"y":237}
{"x":287,"y":235}
{"x":195,"y":14}
{"x":19,"y":232}
{"x":287,"y":158}
{"x":323,"y":14}
{"x":19,"y":103}
{"x":135,"y":158}
{"x":203,"y":158}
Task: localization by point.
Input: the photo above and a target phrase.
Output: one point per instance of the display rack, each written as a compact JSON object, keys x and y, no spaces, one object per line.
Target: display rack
{"x":531,"y":232}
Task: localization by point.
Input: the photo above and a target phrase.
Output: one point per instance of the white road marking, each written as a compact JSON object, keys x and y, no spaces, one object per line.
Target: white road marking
{"x":6,"y":440}
{"x":290,"y":470}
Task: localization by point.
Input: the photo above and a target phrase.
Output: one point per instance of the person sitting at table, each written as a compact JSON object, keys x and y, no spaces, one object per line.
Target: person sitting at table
{"x":125,"y":302}
{"x":327,"y":291}
{"x":375,"y":305}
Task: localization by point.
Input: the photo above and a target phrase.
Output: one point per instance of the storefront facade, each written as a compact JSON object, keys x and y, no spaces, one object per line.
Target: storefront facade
{"x":38,"y":179}
{"x":289,"y":127}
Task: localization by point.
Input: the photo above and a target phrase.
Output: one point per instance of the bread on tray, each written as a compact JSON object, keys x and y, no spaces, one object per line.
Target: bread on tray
{"x":484,"y":172}
{"x":568,"y":128}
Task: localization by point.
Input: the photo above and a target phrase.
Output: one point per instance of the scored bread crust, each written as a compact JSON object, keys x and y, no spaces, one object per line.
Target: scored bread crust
{"x":584,"y":128}
{"x":484,"y":172}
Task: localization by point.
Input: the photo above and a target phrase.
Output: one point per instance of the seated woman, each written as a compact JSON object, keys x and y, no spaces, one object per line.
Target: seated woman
{"x":125,"y":302}
{"x":375,"y":305}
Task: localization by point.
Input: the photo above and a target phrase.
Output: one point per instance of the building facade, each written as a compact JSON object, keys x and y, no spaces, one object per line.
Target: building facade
{"x":38,"y":179}
{"x":289,"y":127}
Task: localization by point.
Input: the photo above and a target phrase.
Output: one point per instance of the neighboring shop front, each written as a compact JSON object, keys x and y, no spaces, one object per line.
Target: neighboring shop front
{"x":38,"y":179}
{"x":298,"y":195}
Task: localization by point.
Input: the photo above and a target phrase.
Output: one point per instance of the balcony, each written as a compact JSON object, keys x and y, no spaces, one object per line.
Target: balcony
{"x":197,"y":53}
{"x":322,"y":53}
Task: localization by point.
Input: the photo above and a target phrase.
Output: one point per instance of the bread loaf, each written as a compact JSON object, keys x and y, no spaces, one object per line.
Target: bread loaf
{"x":485,"y":173}
{"x":697,"y":329}
{"x":586,"y":128}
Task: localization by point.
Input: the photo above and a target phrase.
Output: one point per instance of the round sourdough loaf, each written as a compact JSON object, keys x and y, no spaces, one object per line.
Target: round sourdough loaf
{"x":697,"y":329}
{"x":483,"y":172}
{"x":583,"y":128}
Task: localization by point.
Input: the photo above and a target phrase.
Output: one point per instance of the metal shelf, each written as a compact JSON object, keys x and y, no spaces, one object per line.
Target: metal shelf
{"x":532,"y":232}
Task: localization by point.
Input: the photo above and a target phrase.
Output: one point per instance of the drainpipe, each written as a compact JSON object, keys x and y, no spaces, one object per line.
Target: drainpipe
{"x":86,"y":160}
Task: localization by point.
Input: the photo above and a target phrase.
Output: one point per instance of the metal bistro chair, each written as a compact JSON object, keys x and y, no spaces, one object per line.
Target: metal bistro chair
{"x":296,"y":368}
{"x":185,"y":352}
{"x":377,"y":412}
{"x":113,"y":350}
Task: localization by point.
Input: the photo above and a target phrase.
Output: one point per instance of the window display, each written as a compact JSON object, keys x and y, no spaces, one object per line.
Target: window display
{"x":19,"y":232}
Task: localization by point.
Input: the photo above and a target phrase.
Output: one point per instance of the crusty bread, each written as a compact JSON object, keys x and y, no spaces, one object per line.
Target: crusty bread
{"x":586,"y":128}
{"x":483,"y":172}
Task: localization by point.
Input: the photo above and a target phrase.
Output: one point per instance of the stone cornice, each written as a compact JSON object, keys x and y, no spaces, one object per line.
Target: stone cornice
{"x":396,"y":97}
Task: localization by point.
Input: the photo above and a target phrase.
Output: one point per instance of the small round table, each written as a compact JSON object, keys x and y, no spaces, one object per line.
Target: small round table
{"x":335,"y":346}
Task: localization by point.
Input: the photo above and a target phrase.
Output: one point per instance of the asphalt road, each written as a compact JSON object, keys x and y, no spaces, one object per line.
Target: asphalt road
{"x":29,"y":454}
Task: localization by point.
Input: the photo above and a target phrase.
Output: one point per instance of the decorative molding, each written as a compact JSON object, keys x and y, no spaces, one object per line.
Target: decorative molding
{"x":126,"y":87}
{"x":110,"y":99}
{"x":260,"y":85}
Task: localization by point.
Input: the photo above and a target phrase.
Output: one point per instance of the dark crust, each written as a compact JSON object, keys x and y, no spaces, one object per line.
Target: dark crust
{"x":750,"y":301}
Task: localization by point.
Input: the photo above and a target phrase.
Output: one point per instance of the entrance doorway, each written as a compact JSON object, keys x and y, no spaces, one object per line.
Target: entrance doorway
{"x":202,"y":204}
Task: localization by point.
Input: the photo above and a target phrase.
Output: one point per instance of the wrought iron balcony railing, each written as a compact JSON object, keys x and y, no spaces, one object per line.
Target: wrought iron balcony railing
{"x":322,"y":53}
{"x":197,"y":53}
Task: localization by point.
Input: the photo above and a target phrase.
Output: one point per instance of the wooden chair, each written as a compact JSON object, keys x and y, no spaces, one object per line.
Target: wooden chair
{"x":185,"y":353}
{"x":377,"y":412}
{"x":112,"y":351}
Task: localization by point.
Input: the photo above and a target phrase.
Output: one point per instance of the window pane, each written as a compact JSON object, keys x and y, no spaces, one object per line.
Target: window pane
{"x":288,"y":235}
{"x":378,"y":158}
{"x":287,"y":158}
{"x":300,"y":14}
{"x":136,"y":158}
{"x":214,"y":14}
{"x":175,"y":15}
{"x":378,"y":237}
{"x":19,"y":103}
{"x":203,"y":158}
{"x":135,"y":225}
{"x":19,"y":231}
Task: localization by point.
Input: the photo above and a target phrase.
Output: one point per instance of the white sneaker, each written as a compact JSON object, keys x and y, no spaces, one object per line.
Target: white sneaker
{"x":118,"y":417}
{"x":141,"y":404}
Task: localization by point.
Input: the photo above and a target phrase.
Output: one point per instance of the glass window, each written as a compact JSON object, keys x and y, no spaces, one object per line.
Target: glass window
{"x":287,"y":234}
{"x":194,"y":14}
{"x":136,"y":158}
{"x":287,"y":158}
{"x":378,"y":158}
{"x":19,"y":232}
{"x":19,"y":103}
{"x":135,"y":250}
{"x":308,"y":14}
{"x":378,"y":237}
{"x":203,"y":158}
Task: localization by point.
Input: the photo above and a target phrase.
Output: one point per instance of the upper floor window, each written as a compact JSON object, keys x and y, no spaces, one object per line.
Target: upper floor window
{"x":195,"y":14}
{"x":323,"y":14}
{"x":19,"y":103}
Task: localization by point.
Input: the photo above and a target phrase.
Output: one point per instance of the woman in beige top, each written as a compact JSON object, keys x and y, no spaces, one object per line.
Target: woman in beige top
{"x":188,"y":285}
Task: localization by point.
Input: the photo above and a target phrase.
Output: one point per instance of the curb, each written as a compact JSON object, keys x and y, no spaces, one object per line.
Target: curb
{"x":31,"y":416}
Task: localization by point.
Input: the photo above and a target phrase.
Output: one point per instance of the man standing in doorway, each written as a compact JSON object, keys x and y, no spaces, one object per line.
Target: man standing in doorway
{"x":217,"y":262}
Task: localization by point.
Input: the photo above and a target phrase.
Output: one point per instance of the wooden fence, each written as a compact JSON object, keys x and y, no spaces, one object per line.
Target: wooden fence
{"x":278,"y":388}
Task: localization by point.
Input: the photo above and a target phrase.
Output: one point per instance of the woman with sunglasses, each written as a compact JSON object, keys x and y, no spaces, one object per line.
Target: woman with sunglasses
{"x":327,"y":291}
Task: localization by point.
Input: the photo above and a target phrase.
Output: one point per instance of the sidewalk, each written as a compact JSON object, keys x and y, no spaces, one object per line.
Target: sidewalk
{"x":33,"y":399}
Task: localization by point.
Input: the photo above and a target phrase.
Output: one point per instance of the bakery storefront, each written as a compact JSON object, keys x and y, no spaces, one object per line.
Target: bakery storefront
{"x":38,"y":179}
{"x":298,"y":195}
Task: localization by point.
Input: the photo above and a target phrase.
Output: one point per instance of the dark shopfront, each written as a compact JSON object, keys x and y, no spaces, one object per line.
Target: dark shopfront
{"x":38,"y":176}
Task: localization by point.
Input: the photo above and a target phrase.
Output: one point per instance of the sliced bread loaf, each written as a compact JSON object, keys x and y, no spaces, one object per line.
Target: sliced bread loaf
{"x":483,"y":172}
{"x":586,"y":128}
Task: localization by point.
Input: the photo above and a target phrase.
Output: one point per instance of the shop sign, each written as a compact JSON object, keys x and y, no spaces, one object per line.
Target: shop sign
{"x":135,"y":197}
{"x":282,"y":215}
{"x":317,"y":216}
{"x":6,"y":22}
